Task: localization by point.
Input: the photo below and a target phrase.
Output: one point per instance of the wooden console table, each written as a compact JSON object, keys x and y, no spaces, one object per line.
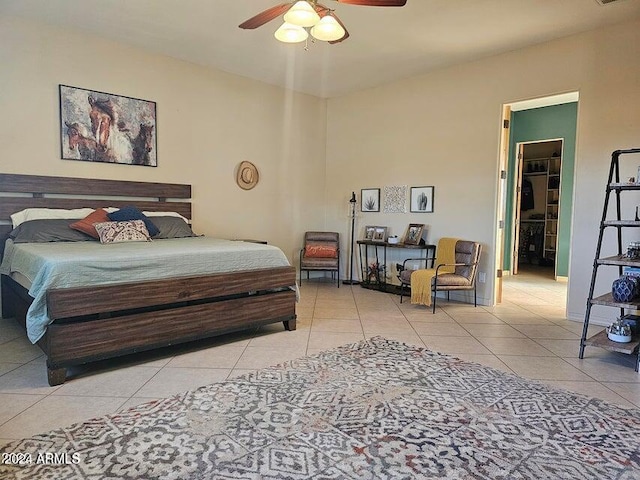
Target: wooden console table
{"x":379,"y":281}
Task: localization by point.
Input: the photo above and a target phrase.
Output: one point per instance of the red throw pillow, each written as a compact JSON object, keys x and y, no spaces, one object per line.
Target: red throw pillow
{"x":86,"y":224}
{"x":320,"y":251}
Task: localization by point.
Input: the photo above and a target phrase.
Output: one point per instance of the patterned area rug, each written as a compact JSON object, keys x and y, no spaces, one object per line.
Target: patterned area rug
{"x":373,"y":410}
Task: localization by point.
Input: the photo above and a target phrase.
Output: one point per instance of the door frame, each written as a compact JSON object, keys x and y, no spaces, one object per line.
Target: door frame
{"x":503,"y":166}
{"x":515,"y":234}
{"x":503,"y":169}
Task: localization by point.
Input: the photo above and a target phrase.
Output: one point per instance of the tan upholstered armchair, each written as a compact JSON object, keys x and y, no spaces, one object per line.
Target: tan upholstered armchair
{"x":467,"y":255}
{"x":321,"y":252}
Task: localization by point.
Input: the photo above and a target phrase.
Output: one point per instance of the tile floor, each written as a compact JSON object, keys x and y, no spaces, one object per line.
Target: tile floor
{"x":527,"y":334}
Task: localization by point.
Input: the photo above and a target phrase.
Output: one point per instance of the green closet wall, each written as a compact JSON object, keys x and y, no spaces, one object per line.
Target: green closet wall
{"x":558,"y":121}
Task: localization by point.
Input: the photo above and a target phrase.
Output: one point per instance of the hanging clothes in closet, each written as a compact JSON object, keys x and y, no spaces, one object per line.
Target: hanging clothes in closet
{"x":526,"y":195}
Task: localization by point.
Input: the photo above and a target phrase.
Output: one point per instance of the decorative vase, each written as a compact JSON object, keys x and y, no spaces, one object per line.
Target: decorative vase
{"x":624,"y":289}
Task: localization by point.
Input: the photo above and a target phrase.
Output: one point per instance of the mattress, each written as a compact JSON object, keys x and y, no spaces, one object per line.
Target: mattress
{"x":72,"y":264}
{"x":21,"y":280}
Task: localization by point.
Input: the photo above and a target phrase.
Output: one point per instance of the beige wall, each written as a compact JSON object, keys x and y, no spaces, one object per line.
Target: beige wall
{"x":208,"y":122}
{"x":443,"y":129}
{"x":438,"y":129}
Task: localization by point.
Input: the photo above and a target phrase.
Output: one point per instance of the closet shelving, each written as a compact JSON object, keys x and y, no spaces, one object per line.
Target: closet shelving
{"x":549,"y":169}
{"x":552,"y":208}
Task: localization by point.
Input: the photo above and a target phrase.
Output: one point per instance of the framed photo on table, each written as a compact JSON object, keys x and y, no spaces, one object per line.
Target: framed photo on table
{"x":380,"y":234}
{"x":414,"y":234}
{"x":369,"y":231}
{"x":422,"y":199}
{"x":370,"y":200}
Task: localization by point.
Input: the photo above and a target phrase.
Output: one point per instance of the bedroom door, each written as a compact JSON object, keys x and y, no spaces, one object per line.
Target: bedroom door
{"x":516,"y":223}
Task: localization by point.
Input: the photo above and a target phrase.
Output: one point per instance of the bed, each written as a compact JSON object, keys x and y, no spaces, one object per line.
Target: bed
{"x":96,"y":322}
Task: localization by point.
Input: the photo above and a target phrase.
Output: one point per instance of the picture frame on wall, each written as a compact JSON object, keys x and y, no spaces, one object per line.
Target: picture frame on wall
{"x":422,"y":199}
{"x":395,"y":199}
{"x":104,"y":127}
{"x":414,"y":234}
{"x":370,"y":200}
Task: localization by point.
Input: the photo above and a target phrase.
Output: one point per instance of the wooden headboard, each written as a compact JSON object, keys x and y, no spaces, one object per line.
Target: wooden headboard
{"x":18,"y":192}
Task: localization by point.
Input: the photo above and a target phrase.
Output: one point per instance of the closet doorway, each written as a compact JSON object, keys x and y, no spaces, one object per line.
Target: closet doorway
{"x":536,"y":129}
{"x":537,"y":208}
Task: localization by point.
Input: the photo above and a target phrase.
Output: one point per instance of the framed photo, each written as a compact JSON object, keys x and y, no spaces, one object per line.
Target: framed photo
{"x":369,"y":231}
{"x":370,"y":200}
{"x":103,"y":127}
{"x":414,"y":234}
{"x":380,"y":234}
{"x":422,"y":199}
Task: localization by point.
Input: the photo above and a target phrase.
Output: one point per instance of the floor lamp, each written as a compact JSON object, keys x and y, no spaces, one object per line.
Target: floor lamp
{"x":353,"y":201}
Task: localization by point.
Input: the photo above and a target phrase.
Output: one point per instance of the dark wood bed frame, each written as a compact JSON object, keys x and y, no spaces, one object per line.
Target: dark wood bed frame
{"x":99,"y":322}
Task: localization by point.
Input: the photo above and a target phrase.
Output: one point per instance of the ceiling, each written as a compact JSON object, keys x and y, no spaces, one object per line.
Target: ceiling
{"x":386,"y":43}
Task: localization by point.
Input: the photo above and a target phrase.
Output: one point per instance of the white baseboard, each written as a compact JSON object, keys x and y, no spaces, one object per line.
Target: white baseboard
{"x":599,"y":320}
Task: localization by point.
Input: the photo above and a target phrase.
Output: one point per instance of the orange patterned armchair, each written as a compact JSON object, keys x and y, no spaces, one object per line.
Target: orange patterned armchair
{"x":321,"y":252}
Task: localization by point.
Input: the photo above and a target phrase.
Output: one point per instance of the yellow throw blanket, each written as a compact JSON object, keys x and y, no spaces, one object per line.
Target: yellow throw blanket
{"x":421,"y":280}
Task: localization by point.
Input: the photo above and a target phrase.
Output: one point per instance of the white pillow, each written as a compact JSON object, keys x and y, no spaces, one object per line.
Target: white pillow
{"x":165,"y":214}
{"x":48,"y":213}
{"x":76,"y":213}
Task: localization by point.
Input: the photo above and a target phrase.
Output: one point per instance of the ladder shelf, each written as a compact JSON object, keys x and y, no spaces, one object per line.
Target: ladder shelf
{"x":619,"y":260}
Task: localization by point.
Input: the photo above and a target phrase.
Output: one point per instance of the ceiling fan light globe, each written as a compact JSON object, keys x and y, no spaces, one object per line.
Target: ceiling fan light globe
{"x":289,"y":33}
{"x":328,"y":29}
{"x":302,"y":14}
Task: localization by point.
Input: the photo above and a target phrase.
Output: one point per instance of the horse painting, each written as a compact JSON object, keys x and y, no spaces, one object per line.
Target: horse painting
{"x":112,"y":142}
{"x":142,"y":145}
{"x":103,"y":127}
{"x":80,"y":142}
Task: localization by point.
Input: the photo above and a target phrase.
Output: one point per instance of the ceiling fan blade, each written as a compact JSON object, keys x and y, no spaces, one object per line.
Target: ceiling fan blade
{"x":376,"y":3}
{"x":321,"y":9}
{"x":346,"y":32}
{"x":266,"y":16}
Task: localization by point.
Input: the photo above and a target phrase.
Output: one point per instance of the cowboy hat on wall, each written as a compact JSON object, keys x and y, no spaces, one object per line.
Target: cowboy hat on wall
{"x":247,"y":175}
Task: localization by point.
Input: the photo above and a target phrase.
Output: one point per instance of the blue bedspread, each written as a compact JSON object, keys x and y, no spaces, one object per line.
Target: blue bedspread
{"x":72,"y":264}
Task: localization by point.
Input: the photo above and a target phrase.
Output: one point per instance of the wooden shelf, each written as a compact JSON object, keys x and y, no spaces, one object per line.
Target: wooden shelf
{"x":538,"y":159}
{"x":620,"y":260}
{"x":621,"y":223}
{"x":423,"y":246}
{"x":601,"y":340}
{"x":608,"y":301}
{"x":624,"y":186}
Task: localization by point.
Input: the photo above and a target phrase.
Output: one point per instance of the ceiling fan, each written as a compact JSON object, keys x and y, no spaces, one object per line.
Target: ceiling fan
{"x":322,"y":22}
